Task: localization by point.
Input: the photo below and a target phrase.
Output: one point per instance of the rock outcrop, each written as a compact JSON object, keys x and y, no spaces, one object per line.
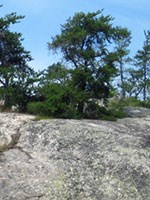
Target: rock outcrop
{"x":136,"y":111}
{"x":74,"y":159}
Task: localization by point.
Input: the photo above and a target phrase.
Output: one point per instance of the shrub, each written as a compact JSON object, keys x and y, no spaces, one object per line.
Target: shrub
{"x":132,"y":101}
{"x":47,"y":109}
{"x":37,"y":108}
{"x":146,"y":103}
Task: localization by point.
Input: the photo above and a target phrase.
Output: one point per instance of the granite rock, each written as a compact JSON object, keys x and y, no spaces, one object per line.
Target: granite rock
{"x":137,"y":111}
{"x":61,"y":159}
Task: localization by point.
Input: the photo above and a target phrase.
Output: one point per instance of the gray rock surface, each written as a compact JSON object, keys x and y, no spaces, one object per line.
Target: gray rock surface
{"x":74,"y":159}
{"x":137,"y":111}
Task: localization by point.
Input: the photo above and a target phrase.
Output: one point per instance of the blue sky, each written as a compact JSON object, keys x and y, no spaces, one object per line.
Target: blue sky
{"x":43,"y":19}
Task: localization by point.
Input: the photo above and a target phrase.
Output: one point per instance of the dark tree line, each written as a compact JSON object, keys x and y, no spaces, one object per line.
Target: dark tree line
{"x":95,"y":55}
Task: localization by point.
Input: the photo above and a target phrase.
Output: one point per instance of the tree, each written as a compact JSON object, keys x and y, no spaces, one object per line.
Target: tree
{"x":54,"y":96}
{"x":85,"y":42}
{"x":13,"y":60}
{"x":142,"y":61}
{"x":24,"y":89}
{"x":133,"y":83}
{"x":57,"y":73}
{"x":122,"y":49}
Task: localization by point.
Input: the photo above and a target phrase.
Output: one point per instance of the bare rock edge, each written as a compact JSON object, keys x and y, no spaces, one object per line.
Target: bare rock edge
{"x":74,"y":159}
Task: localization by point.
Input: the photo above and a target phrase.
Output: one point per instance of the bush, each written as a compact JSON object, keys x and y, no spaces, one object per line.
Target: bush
{"x":62,"y":110}
{"x":37,"y":108}
{"x":146,"y":103}
{"x":94,"y":111}
{"x":132,"y":101}
{"x":46,"y":109}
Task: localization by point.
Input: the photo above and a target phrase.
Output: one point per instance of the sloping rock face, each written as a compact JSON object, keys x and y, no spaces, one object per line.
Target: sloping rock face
{"x":137,"y":111}
{"x":74,"y":159}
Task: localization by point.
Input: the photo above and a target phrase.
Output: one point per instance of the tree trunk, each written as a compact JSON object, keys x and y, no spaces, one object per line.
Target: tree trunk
{"x":144,"y":86}
{"x":122,"y":81}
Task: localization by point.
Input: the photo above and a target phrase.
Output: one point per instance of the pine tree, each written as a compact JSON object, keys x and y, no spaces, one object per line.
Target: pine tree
{"x":142,"y":61}
{"x":14,"y":69}
{"x":85,"y":42}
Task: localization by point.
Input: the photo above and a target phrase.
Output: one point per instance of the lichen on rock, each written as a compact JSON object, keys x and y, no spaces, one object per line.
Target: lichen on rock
{"x":75,"y":159}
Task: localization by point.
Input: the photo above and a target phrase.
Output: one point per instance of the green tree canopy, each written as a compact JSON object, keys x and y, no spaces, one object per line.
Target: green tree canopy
{"x":87,"y":42}
{"x":14,"y":69}
{"x":122,"y":45}
{"x":142,"y":61}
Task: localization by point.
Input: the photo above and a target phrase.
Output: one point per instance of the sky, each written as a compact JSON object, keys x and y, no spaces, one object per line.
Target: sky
{"x":44,"y":17}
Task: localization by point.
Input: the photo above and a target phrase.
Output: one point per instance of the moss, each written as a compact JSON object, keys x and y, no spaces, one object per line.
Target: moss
{"x":3,"y":147}
{"x":58,"y":190}
{"x":39,"y":117}
{"x":124,"y":189}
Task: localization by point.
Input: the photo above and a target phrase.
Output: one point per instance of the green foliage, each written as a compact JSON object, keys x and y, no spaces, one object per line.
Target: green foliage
{"x":43,"y":109}
{"x":37,"y":108}
{"x":146,"y":103}
{"x":122,"y":51}
{"x":57,"y":73}
{"x":116,"y":107}
{"x":120,"y":103}
{"x":85,"y":42}
{"x":95,"y":52}
{"x":113,"y":111}
{"x":132,"y":101}
{"x":16,"y":77}
{"x":142,"y":61}
{"x":133,"y":83}
{"x":113,"y":114}
{"x":73,"y":92}
{"x":57,"y":102}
